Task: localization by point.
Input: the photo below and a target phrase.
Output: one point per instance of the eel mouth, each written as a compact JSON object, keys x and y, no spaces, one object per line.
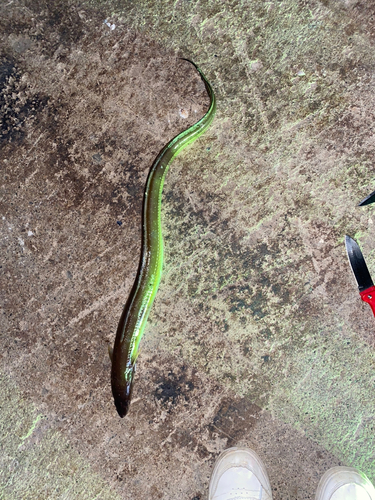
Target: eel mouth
{"x":122,"y":406}
{"x":122,"y":395}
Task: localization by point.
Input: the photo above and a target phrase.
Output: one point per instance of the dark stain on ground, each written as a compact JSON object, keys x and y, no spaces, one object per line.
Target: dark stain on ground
{"x":174,"y":386}
{"x":184,"y":394}
{"x":16,"y":105}
{"x":234,"y":419}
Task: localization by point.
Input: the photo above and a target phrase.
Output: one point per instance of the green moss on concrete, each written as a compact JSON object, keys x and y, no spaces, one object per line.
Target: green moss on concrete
{"x":36,"y":462}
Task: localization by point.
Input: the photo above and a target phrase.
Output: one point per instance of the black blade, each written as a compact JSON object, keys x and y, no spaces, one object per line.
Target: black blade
{"x":369,"y":199}
{"x":358,"y":264}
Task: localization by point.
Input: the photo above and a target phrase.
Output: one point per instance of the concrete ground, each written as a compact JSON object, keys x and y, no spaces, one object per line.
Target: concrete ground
{"x":258,"y":336}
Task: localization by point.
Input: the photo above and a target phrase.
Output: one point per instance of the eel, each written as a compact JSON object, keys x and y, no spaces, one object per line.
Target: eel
{"x":137,"y":308}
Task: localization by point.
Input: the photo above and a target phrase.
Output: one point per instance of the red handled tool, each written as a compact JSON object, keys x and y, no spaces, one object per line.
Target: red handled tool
{"x":361,"y":273}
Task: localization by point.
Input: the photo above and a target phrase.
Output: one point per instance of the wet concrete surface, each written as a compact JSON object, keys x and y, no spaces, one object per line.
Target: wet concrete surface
{"x":257,"y":336}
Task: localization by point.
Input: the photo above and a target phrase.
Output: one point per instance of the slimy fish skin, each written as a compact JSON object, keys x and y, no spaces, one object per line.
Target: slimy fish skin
{"x":137,"y":308}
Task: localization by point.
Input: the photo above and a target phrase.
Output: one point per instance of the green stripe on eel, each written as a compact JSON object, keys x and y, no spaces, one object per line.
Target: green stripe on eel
{"x":137,"y":308}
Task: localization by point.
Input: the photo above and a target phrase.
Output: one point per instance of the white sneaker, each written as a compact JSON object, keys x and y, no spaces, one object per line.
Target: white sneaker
{"x":239,"y":474}
{"x":345,"y":483}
